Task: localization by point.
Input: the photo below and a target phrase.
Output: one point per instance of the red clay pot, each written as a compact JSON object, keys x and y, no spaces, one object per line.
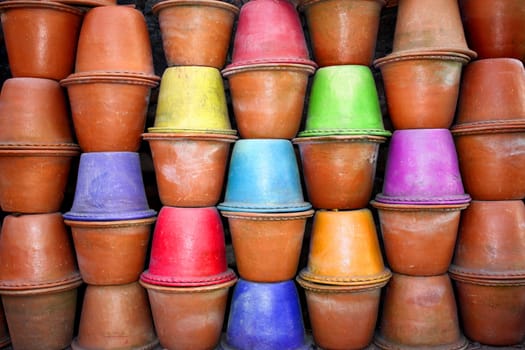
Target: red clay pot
{"x":116,"y":317}
{"x":267,"y":246}
{"x":44,"y":48}
{"x":5,"y":338}
{"x":189,"y":168}
{"x":419,"y":240}
{"x":342,"y":32}
{"x":111,"y":252}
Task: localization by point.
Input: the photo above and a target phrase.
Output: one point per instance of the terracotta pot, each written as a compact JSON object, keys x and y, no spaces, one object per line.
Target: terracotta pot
{"x":196,"y":33}
{"x":34,"y":111}
{"x":268,"y":99}
{"x":41,"y":319}
{"x":267,"y":247}
{"x":491,"y":241}
{"x":34,"y":179}
{"x":114,"y":38}
{"x":419,"y":240}
{"x":339,"y":171}
{"x":116,"y":317}
{"x":419,"y":312}
{"x":5,"y":338}
{"x":189,"y":317}
{"x":492,"y":160}
{"x":343,"y":32}
{"x":44,"y":48}
{"x":109,"y":109}
{"x":111,"y":252}
{"x":189,"y":168}
{"x":344,"y":249}
{"x":494,"y":28}
{"x":430,"y":25}
{"x":334,"y":310}
{"x":422,"y":87}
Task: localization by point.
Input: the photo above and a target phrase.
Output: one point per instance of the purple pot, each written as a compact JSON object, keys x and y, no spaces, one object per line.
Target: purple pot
{"x":422,"y":168}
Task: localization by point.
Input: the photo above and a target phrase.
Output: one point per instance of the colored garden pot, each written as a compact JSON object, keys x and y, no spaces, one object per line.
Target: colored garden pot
{"x":334,"y":310}
{"x":196,"y":33}
{"x":34,"y":179}
{"x":267,"y":246}
{"x":189,"y":168}
{"x":263,"y":177}
{"x":344,"y":101}
{"x":114,"y":38}
{"x":188,"y":249}
{"x":422,"y":168}
{"x":111,"y":252}
{"x":344,"y":250}
{"x":419,"y":240}
{"x":339,"y":171}
{"x":109,"y":187}
{"x":265,"y":316}
{"x":192,"y":99}
{"x":109,"y":109}
{"x":494,"y":28}
{"x":44,"y":48}
{"x":189,"y":317}
{"x":116,"y":317}
{"x":419,"y":312}
{"x":422,"y":87}
{"x":268,"y":98}
{"x":343,"y":32}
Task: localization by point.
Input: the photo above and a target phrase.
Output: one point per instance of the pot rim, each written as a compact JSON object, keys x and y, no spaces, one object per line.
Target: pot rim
{"x":187,"y":289}
{"x":56,"y":150}
{"x":340,"y":139}
{"x":11,"y":4}
{"x":89,"y":3}
{"x":48,"y":289}
{"x":174,"y":131}
{"x":418,"y":207}
{"x":111,"y":224}
{"x":208,"y":3}
{"x":434,"y":54}
{"x":461,"y":344}
{"x":459,"y":272}
{"x":109,"y":216}
{"x":113,"y":77}
{"x":308,"y":344}
{"x":328,"y":132}
{"x":255,"y":208}
{"x":299,"y":65}
{"x":447,"y":200}
{"x":150,"y":346}
{"x":347,"y":280}
{"x":489,"y":127}
{"x":5,"y":341}
{"x":255,"y":216}
{"x":183,"y":136}
{"x":188,"y":282}
{"x":337,"y":289}
{"x":307,"y":3}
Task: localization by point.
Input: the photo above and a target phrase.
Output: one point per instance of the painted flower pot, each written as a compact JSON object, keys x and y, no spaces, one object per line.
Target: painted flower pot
{"x":422,"y":87}
{"x":111,"y":252}
{"x":265,"y":316}
{"x":109,"y":109}
{"x":34,"y":179}
{"x":344,"y":250}
{"x":109,"y":187}
{"x":267,"y":246}
{"x":268,"y":98}
{"x":196,"y":33}
{"x":192,"y":99}
{"x":422,"y":168}
{"x":339,"y":171}
{"x":189,"y":317}
{"x":343,"y":32}
{"x":116,"y":317}
{"x":263,"y":177}
{"x":188,"y":249}
{"x":419,"y":240}
{"x":41,"y":49}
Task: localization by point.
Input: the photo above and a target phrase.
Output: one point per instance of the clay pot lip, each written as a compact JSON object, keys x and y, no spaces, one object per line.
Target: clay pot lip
{"x":418,"y":207}
{"x":460,"y":272}
{"x":56,"y":150}
{"x":308,"y":344}
{"x":461,"y":344}
{"x":255,"y":216}
{"x":337,"y":289}
{"x":448,"y":200}
{"x":343,"y":132}
{"x":300,"y":65}
{"x":150,"y":346}
{"x":89,"y":3}
{"x":192,"y":136}
{"x":339,"y":139}
{"x":412,"y":55}
{"x":112,"y":216}
{"x":383,"y":276}
{"x":209,"y":3}
{"x":187,"y":289}
{"x":489,"y":127}
{"x":110,"y":224}
{"x":11,"y":4}
{"x":307,"y":3}
{"x":177,"y":281}
{"x":32,"y":289}
{"x":111,"y":77}
{"x":5,"y":341}
{"x":173,"y":131}
{"x":254,"y":208}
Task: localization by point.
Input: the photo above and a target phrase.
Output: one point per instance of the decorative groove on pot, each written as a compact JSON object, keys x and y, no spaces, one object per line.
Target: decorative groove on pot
{"x":267,"y":216}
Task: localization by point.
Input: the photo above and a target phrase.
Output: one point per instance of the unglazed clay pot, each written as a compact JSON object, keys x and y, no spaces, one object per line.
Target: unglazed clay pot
{"x":44,"y":48}
{"x":116,"y":317}
{"x":268,"y":98}
{"x":5,"y":339}
{"x":422,"y":87}
{"x":494,"y":28}
{"x":344,"y":249}
{"x":267,"y":246}
{"x":419,"y":312}
{"x":34,"y":179}
{"x":189,"y":317}
{"x":339,"y":171}
{"x":111,"y":252}
{"x":189,"y":168}
{"x":419,"y":240}
{"x":343,"y":32}
{"x":196,"y":32}
{"x":109,"y":109}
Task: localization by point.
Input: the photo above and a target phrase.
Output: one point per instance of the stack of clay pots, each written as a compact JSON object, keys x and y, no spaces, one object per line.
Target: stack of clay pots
{"x":422,"y":197}
{"x":188,"y":278}
{"x":488,"y":266}
{"x":110,"y":218}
